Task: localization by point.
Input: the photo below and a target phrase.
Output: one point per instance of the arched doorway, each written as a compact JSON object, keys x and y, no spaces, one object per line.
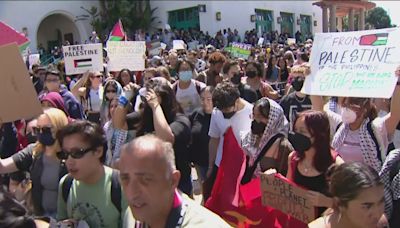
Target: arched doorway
{"x":54,"y":30}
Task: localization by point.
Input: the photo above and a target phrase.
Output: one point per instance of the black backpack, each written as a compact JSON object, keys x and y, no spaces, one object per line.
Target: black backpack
{"x":115,"y":189}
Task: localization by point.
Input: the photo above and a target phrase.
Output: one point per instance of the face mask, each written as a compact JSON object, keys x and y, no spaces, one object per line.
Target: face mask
{"x":348,"y":116}
{"x":299,"y":142}
{"x":257,"y":128}
{"x":251,"y":73}
{"x":228,"y":115}
{"x":297,"y":83}
{"x":31,"y":138}
{"x":46,"y":138}
{"x":236,"y":79}
{"x":185,"y":75}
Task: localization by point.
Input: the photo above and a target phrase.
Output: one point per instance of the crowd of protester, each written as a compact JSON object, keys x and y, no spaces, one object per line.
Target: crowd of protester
{"x":154,"y":126}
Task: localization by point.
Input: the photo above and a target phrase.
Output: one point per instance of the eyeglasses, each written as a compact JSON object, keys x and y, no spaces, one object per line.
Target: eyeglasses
{"x":76,"y":154}
{"x":111,"y":91}
{"x":38,"y":130}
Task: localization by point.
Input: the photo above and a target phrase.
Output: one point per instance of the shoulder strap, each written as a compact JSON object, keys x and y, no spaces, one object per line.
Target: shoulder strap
{"x":198,"y":86}
{"x":66,"y":187}
{"x":338,"y":126}
{"x":249,"y":172}
{"x":372,"y":134}
{"x":116,"y":190}
{"x":175,"y":87}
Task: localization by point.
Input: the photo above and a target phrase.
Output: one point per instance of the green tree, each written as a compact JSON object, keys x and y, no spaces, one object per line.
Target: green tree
{"x":378,"y":18}
{"x":134,"y":14}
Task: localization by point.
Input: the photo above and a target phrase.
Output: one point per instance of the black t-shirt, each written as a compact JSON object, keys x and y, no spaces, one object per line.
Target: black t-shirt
{"x":292,"y":104}
{"x":199,"y":146}
{"x":248,"y":93}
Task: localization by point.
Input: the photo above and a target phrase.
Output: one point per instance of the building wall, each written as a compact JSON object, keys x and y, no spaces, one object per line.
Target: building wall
{"x":236,"y":14}
{"x":30,"y":14}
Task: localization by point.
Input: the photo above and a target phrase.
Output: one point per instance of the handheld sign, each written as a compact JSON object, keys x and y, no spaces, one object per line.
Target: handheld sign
{"x":279,"y":193}
{"x":33,"y":59}
{"x":18,"y":98}
{"x":291,"y":41}
{"x":260,"y":41}
{"x":126,"y":54}
{"x":178,"y":44}
{"x":354,"y":64}
{"x":81,"y":58}
{"x":155,"y":48}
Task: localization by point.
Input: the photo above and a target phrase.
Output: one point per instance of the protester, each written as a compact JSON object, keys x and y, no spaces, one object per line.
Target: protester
{"x":273,"y":71}
{"x":125,"y":76}
{"x":357,"y":193}
{"x":37,"y":83}
{"x":53,"y":84}
{"x":173,"y":60}
{"x":20,"y":187}
{"x":91,"y":192}
{"x":112,"y":89}
{"x":253,"y":78}
{"x":212,"y":76}
{"x":266,"y":145}
{"x":54,"y":100}
{"x":150,"y":179}
{"x":309,"y":162}
{"x":231,"y":71}
{"x":230,"y":111}
{"x":89,"y":91}
{"x":41,"y":161}
{"x":187,"y":90}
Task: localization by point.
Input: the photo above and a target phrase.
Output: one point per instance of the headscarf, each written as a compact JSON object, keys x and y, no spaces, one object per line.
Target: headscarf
{"x":276,"y":124}
{"x":105,"y":103}
{"x":56,"y":101}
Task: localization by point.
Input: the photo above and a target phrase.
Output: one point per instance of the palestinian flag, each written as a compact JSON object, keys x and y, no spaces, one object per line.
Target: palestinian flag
{"x":10,"y":35}
{"x":117,"y":33}
{"x":78,"y":63}
{"x":374,"y":39}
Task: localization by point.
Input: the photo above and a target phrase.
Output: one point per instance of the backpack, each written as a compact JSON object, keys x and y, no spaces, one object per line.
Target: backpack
{"x":372,"y":134}
{"x":115,"y":189}
{"x":197,"y":83}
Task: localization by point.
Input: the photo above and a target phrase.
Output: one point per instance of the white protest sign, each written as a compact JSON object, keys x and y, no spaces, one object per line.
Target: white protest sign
{"x":354,"y":64}
{"x":163,"y":46}
{"x":260,"y":41}
{"x":33,"y":59}
{"x":155,"y":48}
{"x":291,"y":41}
{"x":81,"y":58}
{"x":193,"y":45}
{"x":178,"y":44}
{"x":126,"y":54}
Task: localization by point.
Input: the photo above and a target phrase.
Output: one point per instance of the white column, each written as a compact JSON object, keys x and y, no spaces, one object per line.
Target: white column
{"x":351,"y":19}
{"x":332,"y":18}
{"x":340,"y":24}
{"x":325,"y":22}
{"x":361,"y":18}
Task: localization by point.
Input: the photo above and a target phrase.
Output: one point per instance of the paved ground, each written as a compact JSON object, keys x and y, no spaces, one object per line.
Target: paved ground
{"x":196,"y":187}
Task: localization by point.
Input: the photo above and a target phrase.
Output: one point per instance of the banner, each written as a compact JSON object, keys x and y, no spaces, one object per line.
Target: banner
{"x":126,"y":54}
{"x":239,"y":50}
{"x":18,"y":98}
{"x":81,"y":58}
{"x":279,"y":193}
{"x":354,"y":64}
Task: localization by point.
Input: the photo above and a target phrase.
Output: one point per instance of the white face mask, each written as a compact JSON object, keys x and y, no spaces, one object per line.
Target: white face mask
{"x":348,"y":116}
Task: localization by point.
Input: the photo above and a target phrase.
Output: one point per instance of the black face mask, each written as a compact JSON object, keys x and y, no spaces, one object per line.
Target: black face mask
{"x":257,"y":128}
{"x":297,"y":83}
{"x":228,"y":115}
{"x":31,"y":138}
{"x":236,"y":79}
{"x":251,"y":73}
{"x":300,"y":142}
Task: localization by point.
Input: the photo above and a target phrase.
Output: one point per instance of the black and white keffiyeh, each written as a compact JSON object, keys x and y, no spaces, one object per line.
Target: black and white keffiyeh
{"x":392,"y":186}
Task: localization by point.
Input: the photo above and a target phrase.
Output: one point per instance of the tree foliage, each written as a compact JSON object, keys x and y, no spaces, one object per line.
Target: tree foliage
{"x":378,"y":18}
{"x":134,"y":14}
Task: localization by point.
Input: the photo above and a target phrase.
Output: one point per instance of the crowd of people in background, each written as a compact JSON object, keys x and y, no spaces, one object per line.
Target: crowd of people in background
{"x":155,"y":125}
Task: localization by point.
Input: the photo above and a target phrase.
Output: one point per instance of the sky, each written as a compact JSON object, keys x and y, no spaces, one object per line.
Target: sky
{"x":391,"y":7}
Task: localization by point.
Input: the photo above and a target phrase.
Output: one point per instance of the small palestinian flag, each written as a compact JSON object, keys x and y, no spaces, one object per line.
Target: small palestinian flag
{"x":78,"y":63}
{"x":374,"y":39}
{"x":117,"y":33}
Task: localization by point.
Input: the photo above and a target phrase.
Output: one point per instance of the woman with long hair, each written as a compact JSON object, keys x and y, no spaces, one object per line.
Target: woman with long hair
{"x":312,"y":157}
{"x":40,"y":160}
{"x":358,"y":202}
{"x":112,"y":89}
{"x":125,"y":77}
{"x":273,"y":71}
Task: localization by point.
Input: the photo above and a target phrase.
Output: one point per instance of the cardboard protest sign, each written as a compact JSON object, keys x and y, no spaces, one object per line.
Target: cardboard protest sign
{"x":178,"y":44}
{"x":81,"y":58}
{"x":126,"y":54}
{"x":354,"y":64}
{"x":291,"y":41}
{"x":279,"y":193}
{"x":239,"y":50}
{"x":18,"y":98}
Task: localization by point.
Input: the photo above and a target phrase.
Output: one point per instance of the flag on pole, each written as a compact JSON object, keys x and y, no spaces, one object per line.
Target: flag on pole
{"x":117,"y":33}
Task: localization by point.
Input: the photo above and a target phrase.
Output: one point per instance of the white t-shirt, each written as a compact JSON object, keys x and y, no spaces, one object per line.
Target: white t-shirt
{"x":240,"y":122}
{"x":189,"y":98}
{"x":350,"y":151}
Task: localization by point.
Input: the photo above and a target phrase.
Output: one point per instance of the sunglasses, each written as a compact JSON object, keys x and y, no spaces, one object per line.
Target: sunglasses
{"x":97,"y":76}
{"x":111,"y":91}
{"x":76,"y":154}
{"x":38,"y":130}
